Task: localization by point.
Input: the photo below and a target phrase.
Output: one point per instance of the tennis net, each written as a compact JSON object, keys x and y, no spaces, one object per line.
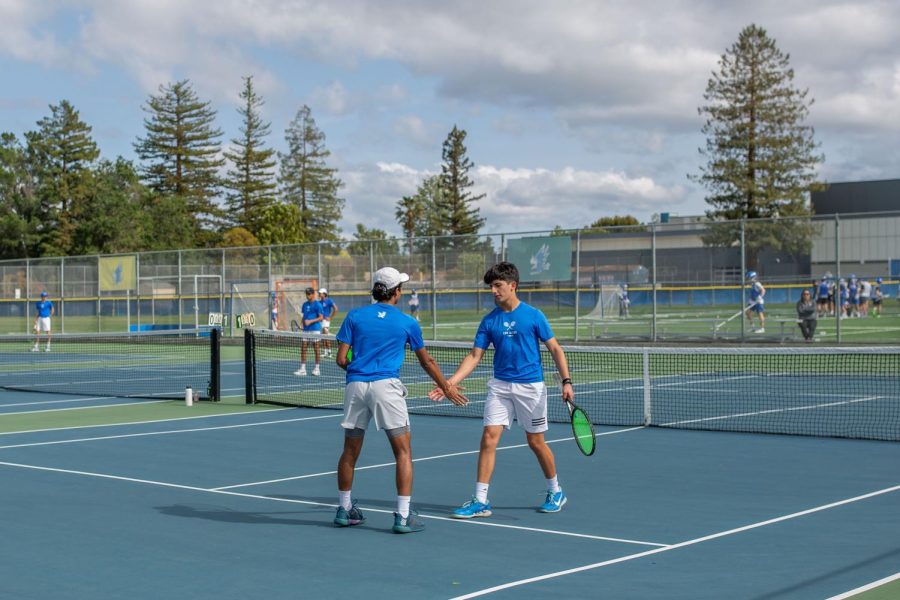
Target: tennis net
{"x":147,"y":364}
{"x":839,"y":392}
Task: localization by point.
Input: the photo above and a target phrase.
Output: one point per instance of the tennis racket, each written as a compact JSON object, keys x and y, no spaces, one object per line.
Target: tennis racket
{"x":582,"y":426}
{"x":295,"y":326}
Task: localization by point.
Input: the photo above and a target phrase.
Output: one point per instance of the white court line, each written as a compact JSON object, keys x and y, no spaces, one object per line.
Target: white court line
{"x":692,"y":542}
{"x":325,"y":504}
{"x":127,"y":435}
{"x":64,"y":401}
{"x":391,"y":464}
{"x":771,"y":411}
{"x":866,"y":588}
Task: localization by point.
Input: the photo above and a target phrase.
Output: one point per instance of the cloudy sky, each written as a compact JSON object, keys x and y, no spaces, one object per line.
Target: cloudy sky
{"x":573,"y":109}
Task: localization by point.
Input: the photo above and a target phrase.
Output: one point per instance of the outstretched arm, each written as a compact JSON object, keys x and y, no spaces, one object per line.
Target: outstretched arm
{"x":467,"y":365}
{"x":448,"y":389}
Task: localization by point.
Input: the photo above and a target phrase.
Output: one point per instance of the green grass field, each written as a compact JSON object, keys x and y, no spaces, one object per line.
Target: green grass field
{"x":674,"y":324}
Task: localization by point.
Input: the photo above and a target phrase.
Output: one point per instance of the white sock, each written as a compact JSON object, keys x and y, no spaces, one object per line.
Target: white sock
{"x":553,"y":484}
{"x":344,"y":499}
{"x":403,"y":506}
{"x":481,"y":490}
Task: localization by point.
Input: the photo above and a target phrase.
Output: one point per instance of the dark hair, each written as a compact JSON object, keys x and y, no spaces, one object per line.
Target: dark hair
{"x":380,"y":292}
{"x":505,"y":271}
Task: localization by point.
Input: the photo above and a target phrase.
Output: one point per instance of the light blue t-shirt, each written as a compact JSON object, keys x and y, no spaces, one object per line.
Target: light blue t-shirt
{"x":328,"y":307}
{"x":378,"y":334}
{"x":312,"y":309}
{"x":44,"y":308}
{"x":517,"y":338}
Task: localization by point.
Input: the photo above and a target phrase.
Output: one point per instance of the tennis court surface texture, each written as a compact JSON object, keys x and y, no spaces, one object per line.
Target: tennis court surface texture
{"x":718,"y":474}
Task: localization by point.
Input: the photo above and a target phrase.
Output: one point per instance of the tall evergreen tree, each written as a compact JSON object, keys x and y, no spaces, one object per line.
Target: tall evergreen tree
{"x":761,"y":158}
{"x":181,"y":155}
{"x":251,"y":181}
{"x":458,"y":211}
{"x":308,"y":182}
{"x":64,"y":152}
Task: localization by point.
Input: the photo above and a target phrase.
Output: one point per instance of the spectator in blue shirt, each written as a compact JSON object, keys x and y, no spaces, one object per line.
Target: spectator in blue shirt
{"x":312,"y":315}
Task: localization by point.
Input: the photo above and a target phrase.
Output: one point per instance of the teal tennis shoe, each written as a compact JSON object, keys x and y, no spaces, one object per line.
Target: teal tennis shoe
{"x":348,"y":518}
{"x":410,"y":524}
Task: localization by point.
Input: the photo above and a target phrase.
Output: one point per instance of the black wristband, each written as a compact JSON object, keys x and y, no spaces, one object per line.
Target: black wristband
{"x":567,"y":380}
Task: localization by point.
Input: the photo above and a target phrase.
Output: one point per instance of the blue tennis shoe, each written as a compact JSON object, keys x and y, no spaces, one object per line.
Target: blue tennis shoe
{"x":348,"y":518}
{"x":554,"y":502}
{"x":472,"y":508}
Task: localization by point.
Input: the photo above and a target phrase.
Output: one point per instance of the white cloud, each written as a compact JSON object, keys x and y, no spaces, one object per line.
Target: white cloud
{"x":515,"y":199}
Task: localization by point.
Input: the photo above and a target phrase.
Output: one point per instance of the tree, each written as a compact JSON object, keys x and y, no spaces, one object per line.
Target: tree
{"x":761,"y":158}
{"x":409,"y":212}
{"x":280,"y":224}
{"x":457,"y":211}
{"x":238,"y":237}
{"x":252,"y":179}
{"x":181,"y":155}
{"x":20,"y":209}
{"x":63,"y":152}
{"x":623,"y":224}
{"x":307,"y":182}
{"x":111,"y":217}
{"x":374,"y":239}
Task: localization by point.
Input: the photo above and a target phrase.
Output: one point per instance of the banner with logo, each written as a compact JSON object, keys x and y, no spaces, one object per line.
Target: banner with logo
{"x":542,"y":258}
{"x":118,"y":273}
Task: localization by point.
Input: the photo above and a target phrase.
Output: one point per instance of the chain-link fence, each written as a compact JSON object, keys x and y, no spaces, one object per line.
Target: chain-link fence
{"x":684,"y":279}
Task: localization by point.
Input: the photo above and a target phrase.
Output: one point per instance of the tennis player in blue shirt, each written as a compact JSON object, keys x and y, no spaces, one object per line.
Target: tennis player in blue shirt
{"x":378,"y":334}
{"x":43,"y":311}
{"x":517,"y":389}
{"x":312,"y":315}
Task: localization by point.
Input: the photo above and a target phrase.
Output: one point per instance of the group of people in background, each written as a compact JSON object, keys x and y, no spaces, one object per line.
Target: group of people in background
{"x":851,"y":298}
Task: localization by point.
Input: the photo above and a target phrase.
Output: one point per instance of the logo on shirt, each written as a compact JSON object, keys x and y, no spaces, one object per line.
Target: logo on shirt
{"x":508,"y":328}
{"x":382,"y":314}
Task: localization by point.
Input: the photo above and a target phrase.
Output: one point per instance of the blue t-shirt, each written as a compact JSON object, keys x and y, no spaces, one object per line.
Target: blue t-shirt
{"x":756,"y":292}
{"x":44,"y":308}
{"x":824,"y":290}
{"x":312,"y":309}
{"x":517,"y":337}
{"x":328,"y":307}
{"x":378,"y":334}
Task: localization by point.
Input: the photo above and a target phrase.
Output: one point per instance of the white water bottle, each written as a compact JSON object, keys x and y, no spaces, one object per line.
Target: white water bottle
{"x":188,"y":396}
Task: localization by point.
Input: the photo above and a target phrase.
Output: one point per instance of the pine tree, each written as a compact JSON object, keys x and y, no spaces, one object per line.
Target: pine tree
{"x":252,"y":179}
{"x":761,"y":157}
{"x":307,"y":182}
{"x":409,"y":211}
{"x":181,"y":155}
{"x":63,"y":151}
{"x":458,"y":213}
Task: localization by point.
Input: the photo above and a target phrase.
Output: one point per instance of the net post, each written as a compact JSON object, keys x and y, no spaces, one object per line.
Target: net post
{"x":215,"y":367}
{"x":645,"y":369}
{"x":249,"y":368}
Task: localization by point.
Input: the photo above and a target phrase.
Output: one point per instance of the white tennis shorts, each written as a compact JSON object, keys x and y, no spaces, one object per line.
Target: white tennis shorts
{"x":384,"y":399}
{"x":326,"y":323}
{"x":43,"y":324}
{"x":524,"y":402}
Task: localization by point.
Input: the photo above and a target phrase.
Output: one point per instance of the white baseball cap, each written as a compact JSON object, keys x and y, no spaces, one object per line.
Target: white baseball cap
{"x":323,"y":291}
{"x":389,"y":277}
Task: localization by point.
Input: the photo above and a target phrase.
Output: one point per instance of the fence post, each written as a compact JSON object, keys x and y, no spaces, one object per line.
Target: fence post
{"x":433,"y":289}
{"x":577,"y":278}
{"x":62,"y":294}
{"x":741,"y":275}
{"x":653,"y":280}
{"x":837,"y":287}
{"x":178,"y":294}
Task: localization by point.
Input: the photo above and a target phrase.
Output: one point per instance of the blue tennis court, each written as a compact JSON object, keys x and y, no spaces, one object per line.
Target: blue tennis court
{"x":204,"y":503}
